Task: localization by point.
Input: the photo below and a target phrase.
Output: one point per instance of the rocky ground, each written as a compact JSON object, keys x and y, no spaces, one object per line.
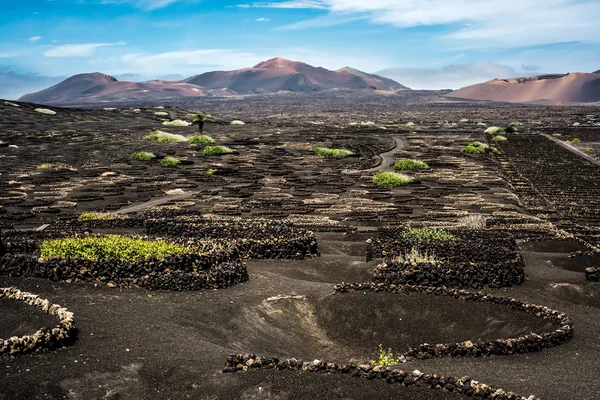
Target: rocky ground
{"x":140,"y":344}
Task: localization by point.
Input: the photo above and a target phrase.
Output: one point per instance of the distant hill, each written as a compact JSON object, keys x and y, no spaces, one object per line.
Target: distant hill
{"x":597,"y":72}
{"x":280,"y":74}
{"x":97,"y":87}
{"x":560,"y":88}
{"x":271,"y":76}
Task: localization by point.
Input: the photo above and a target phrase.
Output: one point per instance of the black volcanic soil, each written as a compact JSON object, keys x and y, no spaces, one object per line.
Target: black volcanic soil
{"x":20,"y":319}
{"x":137,"y":344}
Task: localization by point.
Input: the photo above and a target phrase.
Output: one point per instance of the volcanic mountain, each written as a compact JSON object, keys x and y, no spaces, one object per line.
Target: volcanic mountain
{"x":97,"y":87}
{"x":271,"y":76}
{"x":559,"y":88}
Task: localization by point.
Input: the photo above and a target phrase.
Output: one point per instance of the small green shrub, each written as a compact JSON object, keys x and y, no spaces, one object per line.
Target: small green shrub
{"x":427,"y":234}
{"x":470,"y":149}
{"x":216,"y":150}
{"x":411,"y":165}
{"x":165,"y":137}
{"x":177,"y":122}
{"x":576,"y":141}
{"x":142,"y":156}
{"x":170,"y":162}
{"x":499,"y":138}
{"x":589,"y":149}
{"x":332,"y":153}
{"x":110,"y":246}
{"x":96,"y":216}
{"x":10,"y":103}
{"x":391,"y":179}
{"x":510,"y":129}
{"x":201,"y":139}
{"x":385,"y":358}
{"x":211,"y":172}
{"x":45,"y":111}
{"x":237,"y":122}
{"x":480,"y":148}
{"x":494,"y":130}
{"x":516,"y":123}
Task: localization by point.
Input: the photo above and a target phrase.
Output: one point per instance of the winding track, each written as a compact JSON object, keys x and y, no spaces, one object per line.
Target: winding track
{"x":154,"y":202}
{"x":387,"y":158}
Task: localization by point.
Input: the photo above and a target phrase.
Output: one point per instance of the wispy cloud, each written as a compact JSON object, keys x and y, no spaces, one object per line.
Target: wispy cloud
{"x":191,"y":62}
{"x":34,"y":39}
{"x":476,"y":23}
{"x":10,"y":54}
{"x":143,"y":4}
{"x":453,"y":76}
{"x":262,"y":19}
{"x":298,"y":4}
{"x":78,"y":50}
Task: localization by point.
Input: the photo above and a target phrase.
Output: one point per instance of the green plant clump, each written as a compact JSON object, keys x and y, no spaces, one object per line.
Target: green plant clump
{"x":391,"y":179}
{"x":411,"y":165}
{"x":216,"y":150}
{"x":45,"y":111}
{"x":165,"y":137}
{"x":427,"y":234}
{"x":385,"y":358}
{"x":201,"y":139}
{"x":494,"y":130}
{"x":177,"y":122}
{"x":479,"y":148}
{"x":576,"y":141}
{"x":110,"y":246}
{"x":499,"y":138}
{"x":211,"y":172}
{"x":142,"y":156}
{"x":96,"y":216}
{"x":332,"y":153}
{"x":10,"y":103}
{"x":170,"y":162}
{"x":589,"y":149}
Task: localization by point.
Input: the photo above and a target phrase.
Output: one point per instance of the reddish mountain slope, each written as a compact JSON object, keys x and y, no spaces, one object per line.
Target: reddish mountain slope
{"x":279,"y":74}
{"x":97,"y":87}
{"x":267,"y":77}
{"x":564,"y":88}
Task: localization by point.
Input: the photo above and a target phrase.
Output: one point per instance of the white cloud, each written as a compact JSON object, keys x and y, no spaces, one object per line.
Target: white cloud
{"x":34,"y":39}
{"x":10,"y":54}
{"x":485,"y":24}
{"x":297,"y":4}
{"x":143,"y":4}
{"x":262,"y":19}
{"x":453,"y":76}
{"x":77,"y":50}
{"x":198,"y":61}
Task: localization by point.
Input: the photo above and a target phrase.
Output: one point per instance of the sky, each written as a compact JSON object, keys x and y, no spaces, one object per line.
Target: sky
{"x":423,"y":44}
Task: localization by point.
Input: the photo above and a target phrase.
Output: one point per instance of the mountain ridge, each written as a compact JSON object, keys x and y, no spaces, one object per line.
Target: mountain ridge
{"x":270,"y":76}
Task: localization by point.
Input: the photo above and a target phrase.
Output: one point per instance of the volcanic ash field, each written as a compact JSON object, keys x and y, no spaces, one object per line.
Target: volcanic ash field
{"x":400,"y":249}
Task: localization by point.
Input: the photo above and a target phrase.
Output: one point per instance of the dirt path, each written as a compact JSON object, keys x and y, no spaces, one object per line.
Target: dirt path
{"x":387,"y":158}
{"x":572,"y":149}
{"x":154,"y":202}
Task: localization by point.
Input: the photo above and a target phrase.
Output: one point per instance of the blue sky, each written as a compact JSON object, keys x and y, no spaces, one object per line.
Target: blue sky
{"x":421,"y":43}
